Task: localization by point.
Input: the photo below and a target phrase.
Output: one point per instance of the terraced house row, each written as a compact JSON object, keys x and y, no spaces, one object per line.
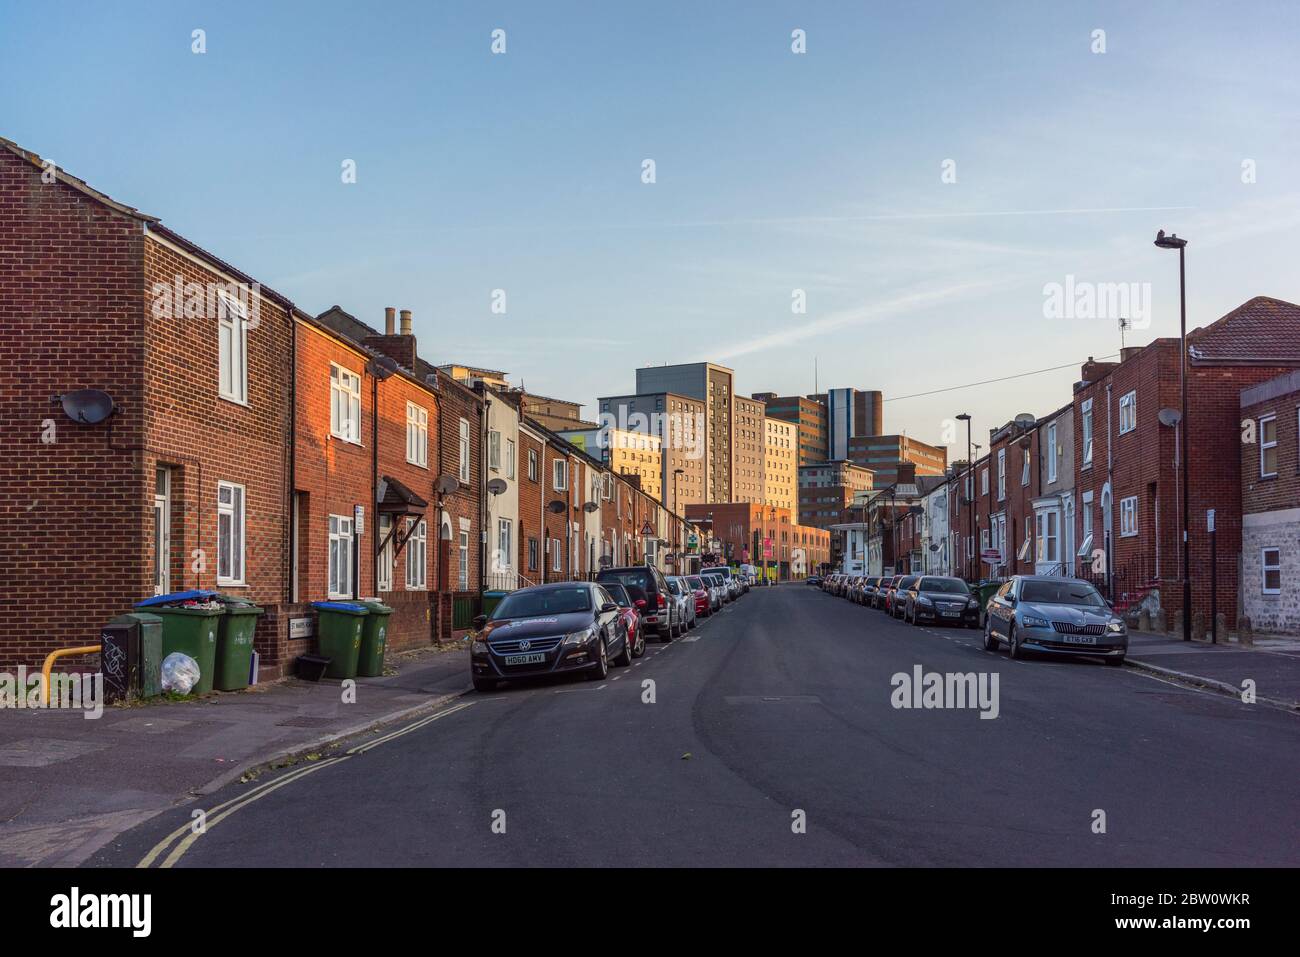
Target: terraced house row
{"x":256,"y":448}
{"x":1093,"y":488}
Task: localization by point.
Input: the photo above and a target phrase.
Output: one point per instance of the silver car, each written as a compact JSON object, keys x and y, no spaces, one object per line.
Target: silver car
{"x":1060,"y":616}
{"x":684,"y":595}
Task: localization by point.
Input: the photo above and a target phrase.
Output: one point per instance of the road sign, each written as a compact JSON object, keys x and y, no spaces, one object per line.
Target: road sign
{"x":991,"y":556}
{"x":647,"y":529}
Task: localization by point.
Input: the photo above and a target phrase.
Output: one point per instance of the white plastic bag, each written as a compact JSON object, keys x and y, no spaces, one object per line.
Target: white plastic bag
{"x":180,"y":673}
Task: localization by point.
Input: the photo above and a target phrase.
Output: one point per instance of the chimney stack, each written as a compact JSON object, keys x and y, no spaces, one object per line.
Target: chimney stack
{"x":406,"y":322}
{"x":390,"y":321}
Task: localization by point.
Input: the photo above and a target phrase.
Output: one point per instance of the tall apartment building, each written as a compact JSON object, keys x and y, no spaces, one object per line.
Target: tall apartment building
{"x":678,"y":422}
{"x":748,"y":444}
{"x":850,"y":413}
{"x":808,"y":416}
{"x":714,"y":386}
{"x":781,"y":464}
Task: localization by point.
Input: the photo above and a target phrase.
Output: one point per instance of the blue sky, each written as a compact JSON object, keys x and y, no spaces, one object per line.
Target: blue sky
{"x":774,"y":172}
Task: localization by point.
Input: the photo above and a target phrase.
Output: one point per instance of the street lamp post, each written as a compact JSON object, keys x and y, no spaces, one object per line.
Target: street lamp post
{"x":1173,"y":242}
{"x":970,"y":497}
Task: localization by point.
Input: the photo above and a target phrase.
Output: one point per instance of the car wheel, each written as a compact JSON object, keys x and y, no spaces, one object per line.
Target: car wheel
{"x":484,"y":684}
{"x":1013,"y":644}
{"x":990,"y":643}
{"x":1115,"y":662}
{"x":601,"y":671}
{"x":666,"y":634}
{"x":625,"y":656}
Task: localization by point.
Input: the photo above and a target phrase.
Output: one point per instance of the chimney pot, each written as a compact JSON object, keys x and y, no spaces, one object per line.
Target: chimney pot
{"x":406,"y":322}
{"x":390,"y":321}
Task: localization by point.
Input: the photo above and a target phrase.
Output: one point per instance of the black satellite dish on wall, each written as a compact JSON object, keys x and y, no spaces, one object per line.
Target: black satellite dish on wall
{"x":447,"y":484}
{"x":557,"y":506}
{"x":497,"y":486}
{"x":87,"y":406}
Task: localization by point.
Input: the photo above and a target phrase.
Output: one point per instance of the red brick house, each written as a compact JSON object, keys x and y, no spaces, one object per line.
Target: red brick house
{"x":364,"y":473}
{"x":1128,"y":484}
{"x":186,"y":484}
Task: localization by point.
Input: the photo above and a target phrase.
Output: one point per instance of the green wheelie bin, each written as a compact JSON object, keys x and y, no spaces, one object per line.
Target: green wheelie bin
{"x":193,"y":632}
{"x":374,"y":638}
{"x":235,"y":644}
{"x":338,"y":635}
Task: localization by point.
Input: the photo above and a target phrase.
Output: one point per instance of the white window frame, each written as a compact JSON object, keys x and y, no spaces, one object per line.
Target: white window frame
{"x":345,"y":404}
{"x":532,"y":465}
{"x":237,"y":510}
{"x":984,"y":481}
{"x":1265,"y":446}
{"x":1002,"y":475}
{"x":510,"y":458}
{"x":342,"y":544}
{"x":462,"y":550}
{"x":555,"y":554}
{"x":385,"y":570}
{"x":505,"y":545}
{"x":417,"y":435}
{"x":1265,"y":566}
{"x":607,"y":486}
{"x":1086,"y":433}
{"x":1051,"y":453}
{"x":1024,"y":466}
{"x":494,"y":450}
{"x":560,"y":475}
{"x":417,"y":557}
{"x":1128,"y":412}
{"x":463,"y":461}
{"x":232,"y":349}
{"x":1128,"y":517}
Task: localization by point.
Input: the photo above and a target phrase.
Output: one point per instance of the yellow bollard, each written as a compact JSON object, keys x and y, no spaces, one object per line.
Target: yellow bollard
{"x":53,"y":656}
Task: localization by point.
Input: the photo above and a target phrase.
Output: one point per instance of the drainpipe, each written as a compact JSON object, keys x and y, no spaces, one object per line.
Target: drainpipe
{"x":374,"y":485}
{"x":486,"y":413}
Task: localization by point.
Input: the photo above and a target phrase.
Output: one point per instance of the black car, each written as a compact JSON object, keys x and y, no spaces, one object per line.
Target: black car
{"x":941,"y":599}
{"x":813,"y":580}
{"x":660,"y":613}
{"x":546,"y":630}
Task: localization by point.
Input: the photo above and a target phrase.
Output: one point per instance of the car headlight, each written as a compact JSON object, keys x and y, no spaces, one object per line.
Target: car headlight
{"x":1116,"y":627}
{"x":478,"y":647}
{"x":1029,"y":621}
{"x":924,"y":601}
{"x":580,"y":637}
{"x":973,"y":603}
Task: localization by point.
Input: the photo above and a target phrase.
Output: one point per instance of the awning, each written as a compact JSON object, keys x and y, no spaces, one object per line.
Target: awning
{"x":394,"y":498}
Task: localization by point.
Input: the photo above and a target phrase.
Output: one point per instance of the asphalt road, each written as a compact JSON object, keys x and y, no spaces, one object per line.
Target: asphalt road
{"x":779,"y":705}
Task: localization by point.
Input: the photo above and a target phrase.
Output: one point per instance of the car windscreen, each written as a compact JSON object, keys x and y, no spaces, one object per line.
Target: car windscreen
{"x":550,"y":601}
{"x":617,"y":592}
{"x":630,"y":577}
{"x":723,"y":572}
{"x":1061,"y":593}
{"x":946,"y":586}
{"x":674,"y":586}
{"x":696,"y":583}
{"x":907,"y":582}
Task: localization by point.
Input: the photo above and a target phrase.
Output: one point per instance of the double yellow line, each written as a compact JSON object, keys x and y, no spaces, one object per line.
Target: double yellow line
{"x":185,"y":835}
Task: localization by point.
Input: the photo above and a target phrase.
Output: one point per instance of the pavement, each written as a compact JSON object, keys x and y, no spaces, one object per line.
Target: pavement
{"x":772,"y":736}
{"x":68,"y":785}
{"x":1271,"y":665}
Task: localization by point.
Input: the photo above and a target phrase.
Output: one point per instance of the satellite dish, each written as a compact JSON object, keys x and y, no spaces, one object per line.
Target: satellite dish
{"x":497,"y":486}
{"x":934,"y":548}
{"x":381,"y":367}
{"x":1025,"y":421}
{"x":87,"y":406}
{"x":556,"y":506}
{"x":1170,"y":417}
{"x":446,"y":484}
{"x":591,"y":507}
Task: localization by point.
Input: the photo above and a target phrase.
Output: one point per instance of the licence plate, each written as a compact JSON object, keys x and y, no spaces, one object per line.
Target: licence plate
{"x":533,"y":659}
{"x":1079,"y":639}
{"x":952,"y":614}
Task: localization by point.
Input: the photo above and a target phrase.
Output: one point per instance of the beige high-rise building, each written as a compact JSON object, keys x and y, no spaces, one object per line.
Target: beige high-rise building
{"x":781,"y":464}
{"x":747,"y":450}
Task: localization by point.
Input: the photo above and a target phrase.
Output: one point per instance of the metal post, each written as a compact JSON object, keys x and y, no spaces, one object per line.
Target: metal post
{"x":1187,"y":545}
